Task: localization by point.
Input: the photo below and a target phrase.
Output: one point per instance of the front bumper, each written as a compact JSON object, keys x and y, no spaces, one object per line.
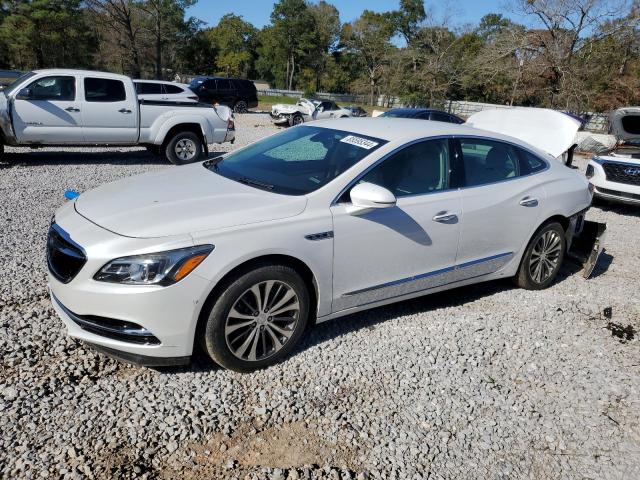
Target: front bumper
{"x":614,"y":191}
{"x":153,"y":324}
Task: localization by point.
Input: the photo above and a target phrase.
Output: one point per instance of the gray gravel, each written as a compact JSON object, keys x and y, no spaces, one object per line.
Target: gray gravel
{"x":482,"y":382}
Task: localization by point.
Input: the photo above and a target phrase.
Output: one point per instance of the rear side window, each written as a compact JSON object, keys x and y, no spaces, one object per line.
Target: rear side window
{"x":104,"y":90}
{"x":173,"y":89}
{"x":53,"y":88}
{"x":224,"y":84}
{"x":529,"y":163}
{"x":488,"y":161}
{"x":440,"y":117}
{"x":418,"y":169}
{"x":144,"y":88}
{"x":209,"y":85}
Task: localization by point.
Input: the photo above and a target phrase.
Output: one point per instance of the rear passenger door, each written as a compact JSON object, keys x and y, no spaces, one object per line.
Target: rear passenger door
{"x":502,"y":196}
{"x":110,"y":111}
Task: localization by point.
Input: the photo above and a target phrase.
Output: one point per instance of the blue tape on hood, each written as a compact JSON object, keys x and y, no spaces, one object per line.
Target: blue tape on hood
{"x":71,"y":194}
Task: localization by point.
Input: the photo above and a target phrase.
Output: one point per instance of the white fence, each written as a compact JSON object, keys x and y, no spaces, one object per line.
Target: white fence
{"x":595,"y":122}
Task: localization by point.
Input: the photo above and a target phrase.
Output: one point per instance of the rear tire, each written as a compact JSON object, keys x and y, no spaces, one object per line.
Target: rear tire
{"x":243,"y":340}
{"x":240,"y":107}
{"x":543,"y":257}
{"x":183,"y":148}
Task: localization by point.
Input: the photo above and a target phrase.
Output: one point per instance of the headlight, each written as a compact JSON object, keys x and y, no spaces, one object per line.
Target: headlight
{"x":162,"y":268}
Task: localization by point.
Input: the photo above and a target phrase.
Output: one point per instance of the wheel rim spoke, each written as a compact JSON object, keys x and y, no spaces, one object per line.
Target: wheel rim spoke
{"x":545,"y":255}
{"x":251,"y":331}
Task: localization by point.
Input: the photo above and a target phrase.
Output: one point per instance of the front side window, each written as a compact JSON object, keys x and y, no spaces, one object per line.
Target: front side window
{"x":104,"y":90}
{"x":488,"y":161}
{"x":53,"y":88}
{"x":417,"y":169}
{"x":224,"y":85}
{"x":296,"y":161}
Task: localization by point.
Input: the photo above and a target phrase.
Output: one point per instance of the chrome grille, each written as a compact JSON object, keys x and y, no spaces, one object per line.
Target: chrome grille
{"x":622,"y":173}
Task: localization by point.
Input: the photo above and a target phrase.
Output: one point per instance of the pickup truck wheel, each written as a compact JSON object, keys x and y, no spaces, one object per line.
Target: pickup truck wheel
{"x":543,"y":257}
{"x":183,"y":148}
{"x":241,"y":107}
{"x":257,"y":319}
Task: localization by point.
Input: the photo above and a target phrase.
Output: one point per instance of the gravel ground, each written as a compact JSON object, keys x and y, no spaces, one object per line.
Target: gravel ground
{"x":482,"y":382}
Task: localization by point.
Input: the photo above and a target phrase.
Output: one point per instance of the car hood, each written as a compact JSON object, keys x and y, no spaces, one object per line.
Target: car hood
{"x":625,"y":123}
{"x":548,"y":130}
{"x":181,"y":200}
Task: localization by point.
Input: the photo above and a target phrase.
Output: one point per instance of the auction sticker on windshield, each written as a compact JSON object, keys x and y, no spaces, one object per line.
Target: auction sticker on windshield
{"x":359,"y":142}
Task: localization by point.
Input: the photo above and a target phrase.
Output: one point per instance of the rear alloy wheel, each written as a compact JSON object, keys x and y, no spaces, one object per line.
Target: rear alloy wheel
{"x":543,"y":258}
{"x":257,"y":319}
{"x":183,"y":148}
{"x":241,"y":107}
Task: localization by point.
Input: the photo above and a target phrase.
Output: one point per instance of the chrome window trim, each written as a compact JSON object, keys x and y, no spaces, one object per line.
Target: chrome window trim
{"x":448,"y":137}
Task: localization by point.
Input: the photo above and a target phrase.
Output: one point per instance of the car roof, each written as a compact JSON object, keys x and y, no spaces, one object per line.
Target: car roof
{"x":402,"y":130}
{"x":70,"y":71}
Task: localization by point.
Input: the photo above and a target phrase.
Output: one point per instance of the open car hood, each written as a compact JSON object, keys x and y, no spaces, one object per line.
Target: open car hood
{"x":625,"y":123}
{"x":548,"y":130}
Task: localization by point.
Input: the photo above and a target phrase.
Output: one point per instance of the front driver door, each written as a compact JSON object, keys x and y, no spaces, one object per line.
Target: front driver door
{"x":385,"y":253}
{"x":50,"y":113}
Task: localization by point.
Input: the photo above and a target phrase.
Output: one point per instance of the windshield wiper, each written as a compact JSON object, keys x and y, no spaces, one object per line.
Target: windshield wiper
{"x":255,"y":183}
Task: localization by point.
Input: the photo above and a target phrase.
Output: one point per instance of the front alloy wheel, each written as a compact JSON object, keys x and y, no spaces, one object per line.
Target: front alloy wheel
{"x":256,"y":318}
{"x":240,"y":107}
{"x":262,"y":320}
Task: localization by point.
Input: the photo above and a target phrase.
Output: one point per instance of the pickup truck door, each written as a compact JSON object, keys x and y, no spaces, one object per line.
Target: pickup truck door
{"x":109,"y":111}
{"x":47,"y":111}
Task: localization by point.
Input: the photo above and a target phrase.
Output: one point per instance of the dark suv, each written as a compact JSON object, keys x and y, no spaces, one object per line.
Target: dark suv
{"x":233,"y":92}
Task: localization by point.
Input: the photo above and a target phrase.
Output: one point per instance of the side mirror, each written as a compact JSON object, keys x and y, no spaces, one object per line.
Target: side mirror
{"x":367,"y":196}
{"x":24,"y":94}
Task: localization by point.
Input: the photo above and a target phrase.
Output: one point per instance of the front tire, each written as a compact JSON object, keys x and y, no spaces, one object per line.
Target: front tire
{"x":183,"y":148}
{"x":297,"y":120}
{"x":543,"y":258}
{"x":257,"y":319}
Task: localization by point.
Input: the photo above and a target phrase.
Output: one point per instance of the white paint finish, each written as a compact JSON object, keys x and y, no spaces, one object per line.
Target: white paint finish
{"x":549,"y":130}
{"x":181,"y":201}
{"x":386,"y":245}
{"x":599,"y":179}
{"x":104,"y":123}
{"x":189,"y":205}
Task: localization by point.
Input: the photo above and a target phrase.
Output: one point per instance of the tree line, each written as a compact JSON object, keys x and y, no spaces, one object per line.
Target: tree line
{"x":578,"y":55}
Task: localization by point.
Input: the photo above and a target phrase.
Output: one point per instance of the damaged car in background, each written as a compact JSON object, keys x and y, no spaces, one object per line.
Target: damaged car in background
{"x":307,"y":110}
{"x":237,"y":255}
{"x":616,"y":174}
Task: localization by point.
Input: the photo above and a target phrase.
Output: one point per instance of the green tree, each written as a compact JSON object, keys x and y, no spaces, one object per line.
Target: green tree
{"x":46,"y":33}
{"x":369,"y":37}
{"x":234,"y":40}
{"x":326,"y":32}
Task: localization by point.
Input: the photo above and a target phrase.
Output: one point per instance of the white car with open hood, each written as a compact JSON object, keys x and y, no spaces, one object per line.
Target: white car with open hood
{"x":616,"y":174}
{"x":240,"y":253}
{"x":78,"y":107}
{"x":307,"y":110}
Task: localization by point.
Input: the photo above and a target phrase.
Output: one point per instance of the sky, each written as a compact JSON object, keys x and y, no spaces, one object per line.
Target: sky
{"x":258,"y":12}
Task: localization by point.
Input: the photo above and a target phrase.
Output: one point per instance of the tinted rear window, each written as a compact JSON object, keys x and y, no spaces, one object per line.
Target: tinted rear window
{"x":173,"y":89}
{"x":144,"y":88}
{"x":104,"y":90}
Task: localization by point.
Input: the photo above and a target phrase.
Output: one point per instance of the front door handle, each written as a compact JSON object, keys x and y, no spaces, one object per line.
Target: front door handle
{"x":444,"y":217}
{"x":72,"y":109}
{"x":529,"y":202}
{"x":124,"y":110}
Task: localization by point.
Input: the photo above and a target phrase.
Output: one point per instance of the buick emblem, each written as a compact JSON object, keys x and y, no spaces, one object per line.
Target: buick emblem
{"x":632,"y":171}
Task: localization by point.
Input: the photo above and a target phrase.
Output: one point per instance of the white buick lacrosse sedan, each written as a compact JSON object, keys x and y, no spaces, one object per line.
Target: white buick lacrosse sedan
{"x":239,"y":254}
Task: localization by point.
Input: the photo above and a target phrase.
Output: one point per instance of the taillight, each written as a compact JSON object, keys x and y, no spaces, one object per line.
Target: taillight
{"x":592,"y":188}
{"x":230,"y":124}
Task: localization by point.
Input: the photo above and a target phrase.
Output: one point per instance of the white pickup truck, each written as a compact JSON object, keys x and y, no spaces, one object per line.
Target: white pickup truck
{"x":76,"y":107}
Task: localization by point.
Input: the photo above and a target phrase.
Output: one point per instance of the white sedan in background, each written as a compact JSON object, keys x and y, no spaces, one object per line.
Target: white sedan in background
{"x":240,"y":253}
{"x":164,"y":91}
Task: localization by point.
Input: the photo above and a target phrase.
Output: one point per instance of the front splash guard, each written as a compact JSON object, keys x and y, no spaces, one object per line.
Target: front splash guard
{"x":587,"y":246}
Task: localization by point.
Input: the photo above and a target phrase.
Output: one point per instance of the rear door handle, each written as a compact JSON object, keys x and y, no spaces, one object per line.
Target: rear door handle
{"x":529,"y":202}
{"x":72,"y":109}
{"x":444,"y":217}
{"x":124,"y":110}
